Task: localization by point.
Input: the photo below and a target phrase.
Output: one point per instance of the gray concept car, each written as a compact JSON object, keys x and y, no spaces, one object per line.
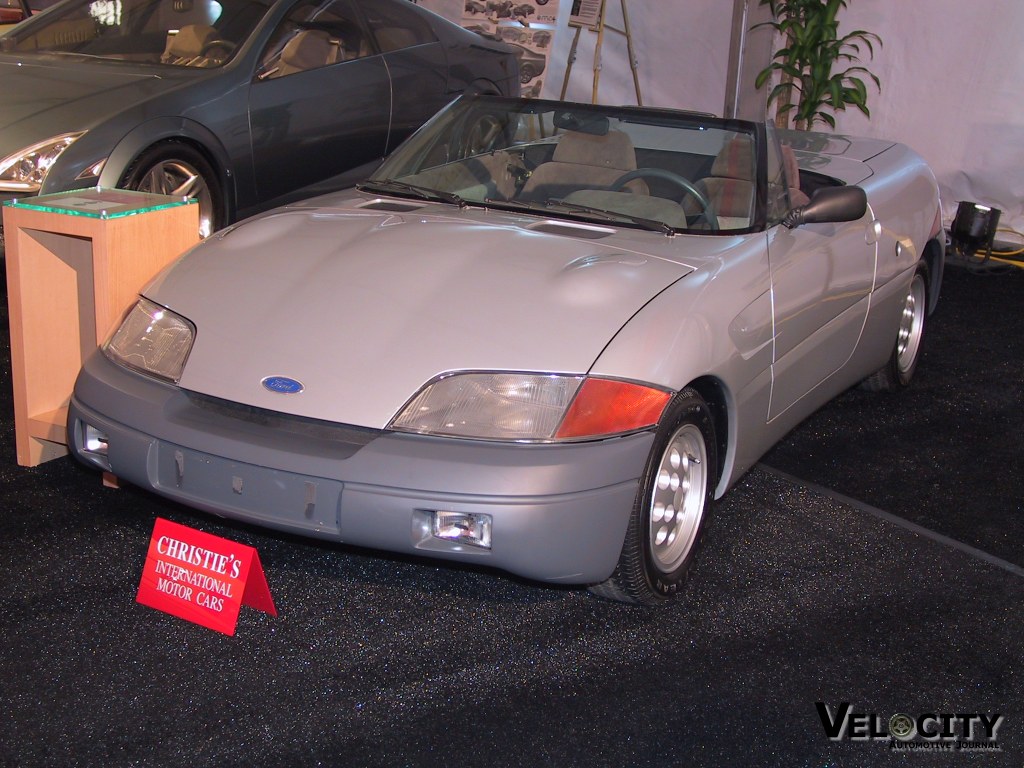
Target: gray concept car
{"x":239,"y":103}
{"x":542,"y":337}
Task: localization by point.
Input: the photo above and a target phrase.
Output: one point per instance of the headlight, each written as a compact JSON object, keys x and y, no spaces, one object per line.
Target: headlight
{"x":531,"y":407}
{"x":25,"y":171}
{"x":152,"y":340}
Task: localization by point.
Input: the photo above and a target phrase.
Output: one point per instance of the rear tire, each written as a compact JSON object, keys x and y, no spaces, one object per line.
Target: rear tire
{"x":178,"y":169}
{"x":899,"y":370}
{"x":668,"y":515}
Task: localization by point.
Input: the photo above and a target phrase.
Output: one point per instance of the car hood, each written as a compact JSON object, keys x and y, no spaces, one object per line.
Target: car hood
{"x":44,"y":96}
{"x":363,"y":308}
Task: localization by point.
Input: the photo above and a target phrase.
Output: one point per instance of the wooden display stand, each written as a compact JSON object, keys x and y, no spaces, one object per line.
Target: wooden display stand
{"x":75,"y":263}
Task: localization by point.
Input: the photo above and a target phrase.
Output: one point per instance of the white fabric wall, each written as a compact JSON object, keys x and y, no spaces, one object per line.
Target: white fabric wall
{"x":682,"y":51}
{"x":952,"y":89}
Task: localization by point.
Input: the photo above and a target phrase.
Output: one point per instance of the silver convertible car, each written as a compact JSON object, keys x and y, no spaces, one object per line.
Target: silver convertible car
{"x":242,"y":104}
{"x":542,"y":337}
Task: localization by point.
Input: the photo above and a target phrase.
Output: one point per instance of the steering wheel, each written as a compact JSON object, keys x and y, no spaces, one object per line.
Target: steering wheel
{"x":674,"y":178}
{"x":484,"y":136}
{"x":225,"y":45}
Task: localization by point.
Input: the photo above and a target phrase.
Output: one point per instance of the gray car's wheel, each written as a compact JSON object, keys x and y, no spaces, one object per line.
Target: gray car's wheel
{"x":483,"y":136}
{"x":672,"y":503}
{"x":899,"y":370}
{"x":178,"y":169}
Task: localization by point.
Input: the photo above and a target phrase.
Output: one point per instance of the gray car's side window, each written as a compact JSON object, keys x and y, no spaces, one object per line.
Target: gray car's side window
{"x":396,"y":26}
{"x":314,"y":35}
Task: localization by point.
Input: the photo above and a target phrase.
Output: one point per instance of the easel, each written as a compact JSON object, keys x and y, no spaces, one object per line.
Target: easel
{"x":587,"y":18}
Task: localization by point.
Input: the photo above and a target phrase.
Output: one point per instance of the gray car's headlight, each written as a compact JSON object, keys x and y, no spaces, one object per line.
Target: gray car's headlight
{"x":25,"y":170}
{"x":530,"y":407}
{"x":152,"y":340}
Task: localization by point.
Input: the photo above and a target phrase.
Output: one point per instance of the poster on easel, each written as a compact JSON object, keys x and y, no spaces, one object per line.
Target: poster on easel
{"x":586,"y":13}
{"x":507,"y":11}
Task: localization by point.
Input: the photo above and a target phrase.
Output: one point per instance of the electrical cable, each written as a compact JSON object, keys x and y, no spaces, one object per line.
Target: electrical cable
{"x":985,"y":260}
{"x":1006,"y":254}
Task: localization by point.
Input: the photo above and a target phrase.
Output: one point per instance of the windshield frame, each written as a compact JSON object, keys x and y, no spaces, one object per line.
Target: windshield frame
{"x":446,"y":143}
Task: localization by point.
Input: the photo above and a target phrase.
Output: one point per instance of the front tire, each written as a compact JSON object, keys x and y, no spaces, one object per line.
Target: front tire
{"x":178,"y":169}
{"x":668,"y":515}
{"x":899,"y":370}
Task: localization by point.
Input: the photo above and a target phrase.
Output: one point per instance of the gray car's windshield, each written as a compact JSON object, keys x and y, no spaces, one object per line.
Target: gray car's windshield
{"x":182,"y":33}
{"x":657,"y":169}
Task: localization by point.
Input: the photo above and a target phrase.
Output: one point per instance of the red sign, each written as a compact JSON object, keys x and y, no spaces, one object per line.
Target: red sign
{"x":202,"y":578}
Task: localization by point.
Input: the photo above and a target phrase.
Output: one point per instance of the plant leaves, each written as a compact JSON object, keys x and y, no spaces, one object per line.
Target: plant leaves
{"x":812,"y":47}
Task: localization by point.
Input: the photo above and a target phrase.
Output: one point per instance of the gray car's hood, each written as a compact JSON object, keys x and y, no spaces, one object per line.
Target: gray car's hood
{"x":363,"y":308}
{"x":51,"y":95}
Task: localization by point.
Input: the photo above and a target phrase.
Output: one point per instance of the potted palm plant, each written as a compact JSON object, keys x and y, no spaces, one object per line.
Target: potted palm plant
{"x":818,"y":71}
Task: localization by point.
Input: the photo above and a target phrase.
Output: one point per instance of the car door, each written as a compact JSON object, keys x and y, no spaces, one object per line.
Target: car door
{"x":320,"y":103}
{"x":416,"y":62}
{"x":822,"y":277}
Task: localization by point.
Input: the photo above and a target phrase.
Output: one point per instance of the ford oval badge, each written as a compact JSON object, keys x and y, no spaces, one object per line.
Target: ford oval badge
{"x":282,"y":385}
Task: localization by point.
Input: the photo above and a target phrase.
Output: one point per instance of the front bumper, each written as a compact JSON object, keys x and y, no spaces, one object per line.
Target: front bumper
{"x":559,"y":512}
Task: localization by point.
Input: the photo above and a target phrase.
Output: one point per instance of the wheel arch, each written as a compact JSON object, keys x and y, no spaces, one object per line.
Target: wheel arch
{"x":935,"y":257}
{"x":170,"y":130}
{"x":483,"y":87}
{"x":714,"y":393}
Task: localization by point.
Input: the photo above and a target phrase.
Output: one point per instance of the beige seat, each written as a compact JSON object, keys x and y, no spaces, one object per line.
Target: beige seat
{"x":309,"y":49}
{"x":792,"y":170}
{"x":583,"y":161}
{"x":395,"y":39}
{"x":186,"y":47}
{"x":729,"y":188}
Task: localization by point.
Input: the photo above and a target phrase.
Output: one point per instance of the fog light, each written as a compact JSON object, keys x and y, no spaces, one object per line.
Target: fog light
{"x":463,"y":527}
{"x":95,"y":441}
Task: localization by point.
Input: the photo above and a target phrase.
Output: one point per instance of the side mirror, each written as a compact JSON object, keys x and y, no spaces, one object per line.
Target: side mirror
{"x":829,"y":204}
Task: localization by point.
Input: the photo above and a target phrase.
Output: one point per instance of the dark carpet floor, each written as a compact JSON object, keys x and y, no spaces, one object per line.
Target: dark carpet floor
{"x":798,"y":598}
{"x":947,"y":453}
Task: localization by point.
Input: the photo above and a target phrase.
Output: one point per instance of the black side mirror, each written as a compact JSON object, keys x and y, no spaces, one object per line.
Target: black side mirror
{"x":829,"y":204}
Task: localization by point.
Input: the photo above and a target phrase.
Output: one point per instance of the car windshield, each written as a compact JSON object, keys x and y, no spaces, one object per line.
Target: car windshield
{"x":656,"y":169}
{"x":181,"y":33}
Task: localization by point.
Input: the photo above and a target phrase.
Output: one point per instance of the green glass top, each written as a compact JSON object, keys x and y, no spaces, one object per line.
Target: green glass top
{"x":99,"y":203}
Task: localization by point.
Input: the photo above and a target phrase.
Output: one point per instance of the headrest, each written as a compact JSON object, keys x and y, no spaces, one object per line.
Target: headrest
{"x":735,"y":160}
{"x":190,"y":41}
{"x":612,"y":150}
{"x":309,"y":49}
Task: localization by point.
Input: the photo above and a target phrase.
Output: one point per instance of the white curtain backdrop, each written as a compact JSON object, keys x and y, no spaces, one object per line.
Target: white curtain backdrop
{"x":952,"y":89}
{"x":682,"y":53}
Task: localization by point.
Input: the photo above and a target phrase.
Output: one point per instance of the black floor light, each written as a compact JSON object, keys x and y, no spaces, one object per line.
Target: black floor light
{"x":974,"y":229}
